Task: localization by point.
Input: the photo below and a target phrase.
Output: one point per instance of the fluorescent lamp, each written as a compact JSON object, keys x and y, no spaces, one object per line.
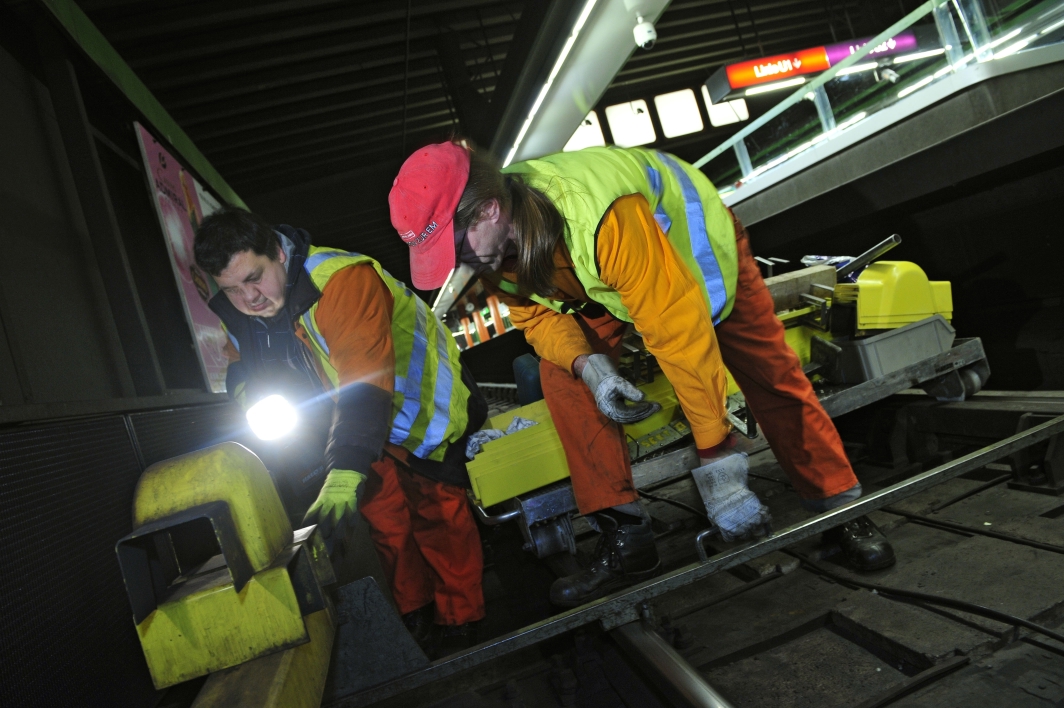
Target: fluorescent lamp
{"x":678,"y":113}
{"x":1013,"y":48}
{"x":589,"y":134}
{"x":850,"y":121}
{"x":1052,"y":27}
{"x":857,"y":68}
{"x":1004,"y":38}
{"x":630,"y":124}
{"x":588,"y":6}
{"x":918,"y":85}
{"x":918,"y":56}
{"x":775,"y":87}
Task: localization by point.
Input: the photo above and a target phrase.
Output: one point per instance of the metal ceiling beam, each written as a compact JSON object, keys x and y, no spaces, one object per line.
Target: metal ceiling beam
{"x":313,"y":93}
{"x":366,"y":66}
{"x":320,"y":137}
{"x":156,"y":23}
{"x":369,"y":109}
{"x":273,"y":34}
{"x":238,"y":64}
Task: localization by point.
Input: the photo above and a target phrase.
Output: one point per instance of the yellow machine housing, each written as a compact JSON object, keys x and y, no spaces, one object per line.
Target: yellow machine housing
{"x":892,"y":294}
{"x":214,"y":573}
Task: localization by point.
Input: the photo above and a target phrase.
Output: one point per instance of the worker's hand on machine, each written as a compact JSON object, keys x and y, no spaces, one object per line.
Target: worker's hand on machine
{"x":337,"y":503}
{"x":735,"y":510}
{"x":618,"y":399}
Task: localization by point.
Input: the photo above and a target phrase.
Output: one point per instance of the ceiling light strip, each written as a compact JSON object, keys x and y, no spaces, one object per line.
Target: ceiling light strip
{"x":588,"y":7}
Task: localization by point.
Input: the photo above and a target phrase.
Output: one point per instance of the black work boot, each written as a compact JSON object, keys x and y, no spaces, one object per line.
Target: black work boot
{"x":625,"y":555}
{"x":419,"y":624}
{"x":455,"y":638}
{"x":863,"y":544}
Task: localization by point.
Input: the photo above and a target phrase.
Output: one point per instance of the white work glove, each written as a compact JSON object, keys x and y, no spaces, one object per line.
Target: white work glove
{"x":479,"y":438}
{"x":736,"y":511}
{"x":618,"y":399}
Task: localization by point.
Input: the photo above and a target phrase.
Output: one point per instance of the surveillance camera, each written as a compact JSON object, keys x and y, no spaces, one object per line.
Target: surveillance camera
{"x":890,"y":75}
{"x":645,"y":34}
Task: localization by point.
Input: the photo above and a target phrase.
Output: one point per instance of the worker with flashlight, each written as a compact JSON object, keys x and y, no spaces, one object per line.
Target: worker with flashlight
{"x":582,"y":245}
{"x":402,"y":405}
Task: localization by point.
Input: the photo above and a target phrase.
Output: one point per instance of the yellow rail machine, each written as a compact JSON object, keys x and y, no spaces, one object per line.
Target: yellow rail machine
{"x":219,"y":583}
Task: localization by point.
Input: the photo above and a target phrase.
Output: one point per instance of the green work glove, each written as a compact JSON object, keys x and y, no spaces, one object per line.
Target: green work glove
{"x":337,"y":502}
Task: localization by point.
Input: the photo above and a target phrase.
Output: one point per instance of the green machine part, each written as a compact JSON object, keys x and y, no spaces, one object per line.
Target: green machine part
{"x":214,"y":573}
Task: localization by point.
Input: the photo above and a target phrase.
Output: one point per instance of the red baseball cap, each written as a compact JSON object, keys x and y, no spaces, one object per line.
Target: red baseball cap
{"x":423,"y":200}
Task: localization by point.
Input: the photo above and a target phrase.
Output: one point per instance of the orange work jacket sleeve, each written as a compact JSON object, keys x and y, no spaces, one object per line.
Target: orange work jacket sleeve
{"x":669,"y":310}
{"x":354,"y":316}
{"x":555,"y":337}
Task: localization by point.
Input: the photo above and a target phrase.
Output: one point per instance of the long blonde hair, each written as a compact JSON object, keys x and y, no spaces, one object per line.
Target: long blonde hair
{"x":537,"y":223}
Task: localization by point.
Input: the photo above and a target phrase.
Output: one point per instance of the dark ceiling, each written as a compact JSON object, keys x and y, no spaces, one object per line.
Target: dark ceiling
{"x":308,"y":107}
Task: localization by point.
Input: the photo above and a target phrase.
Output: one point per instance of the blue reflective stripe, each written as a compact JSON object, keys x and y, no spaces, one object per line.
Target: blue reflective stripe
{"x":233,"y":340}
{"x":700,"y":246}
{"x":308,"y":324}
{"x":662,"y":218}
{"x":404,"y":420}
{"x":656,"y":185}
{"x":441,"y":417}
{"x":318,"y":258}
{"x":654,"y":177}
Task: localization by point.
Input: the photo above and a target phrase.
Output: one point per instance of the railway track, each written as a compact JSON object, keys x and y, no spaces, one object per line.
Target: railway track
{"x":966,"y":617}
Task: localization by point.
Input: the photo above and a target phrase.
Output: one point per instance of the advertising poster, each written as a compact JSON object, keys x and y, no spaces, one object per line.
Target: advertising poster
{"x":181,"y":203}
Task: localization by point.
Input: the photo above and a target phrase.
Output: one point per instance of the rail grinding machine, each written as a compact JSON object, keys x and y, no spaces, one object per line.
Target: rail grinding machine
{"x":861,"y":341}
{"x":222,"y":586}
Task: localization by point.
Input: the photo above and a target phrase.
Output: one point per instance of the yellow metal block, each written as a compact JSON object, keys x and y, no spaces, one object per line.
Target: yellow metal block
{"x":892,"y":294}
{"x":534,"y":457}
{"x":228,"y":472}
{"x":206,"y":625}
{"x":294,"y":678}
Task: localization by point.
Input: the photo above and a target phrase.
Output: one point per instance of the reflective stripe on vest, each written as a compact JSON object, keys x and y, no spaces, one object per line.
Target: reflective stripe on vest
{"x":654,"y":177}
{"x":441,"y":397}
{"x":444,"y":423}
{"x":700,"y":246}
{"x":410,"y":385}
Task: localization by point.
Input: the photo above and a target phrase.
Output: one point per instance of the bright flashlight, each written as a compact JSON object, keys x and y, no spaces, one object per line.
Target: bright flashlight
{"x":273,"y":417}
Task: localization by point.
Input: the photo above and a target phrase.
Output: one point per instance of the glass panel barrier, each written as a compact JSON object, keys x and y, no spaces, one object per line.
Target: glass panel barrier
{"x":954,"y":35}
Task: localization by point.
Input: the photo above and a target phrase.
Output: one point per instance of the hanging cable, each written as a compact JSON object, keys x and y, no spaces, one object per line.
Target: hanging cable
{"x":969,"y":607}
{"x":679,"y":505}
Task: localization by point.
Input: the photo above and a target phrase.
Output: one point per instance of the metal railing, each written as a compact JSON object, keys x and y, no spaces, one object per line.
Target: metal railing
{"x":859,"y":86}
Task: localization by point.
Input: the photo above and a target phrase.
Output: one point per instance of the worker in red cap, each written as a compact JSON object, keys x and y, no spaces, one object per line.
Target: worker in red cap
{"x":580,"y":245}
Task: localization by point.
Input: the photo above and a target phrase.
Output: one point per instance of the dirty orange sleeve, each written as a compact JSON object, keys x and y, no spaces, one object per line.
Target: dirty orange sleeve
{"x":354,"y":316}
{"x":555,"y":337}
{"x":669,"y":310}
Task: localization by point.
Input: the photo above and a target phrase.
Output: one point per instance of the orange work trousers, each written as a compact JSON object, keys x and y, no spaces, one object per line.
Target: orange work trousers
{"x":752,"y":345}
{"x":427,"y":541}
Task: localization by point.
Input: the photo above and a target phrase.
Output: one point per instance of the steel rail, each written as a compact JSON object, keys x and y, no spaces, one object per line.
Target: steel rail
{"x":623,"y":607}
{"x":680,"y":681}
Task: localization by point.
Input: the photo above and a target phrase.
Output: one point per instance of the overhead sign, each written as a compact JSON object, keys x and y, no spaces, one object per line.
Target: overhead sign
{"x":899,"y":44}
{"x":181,"y":203}
{"x":781,"y":67}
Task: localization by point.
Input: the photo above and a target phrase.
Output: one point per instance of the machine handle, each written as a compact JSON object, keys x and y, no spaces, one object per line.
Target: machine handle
{"x":497,"y":519}
{"x":868,"y":256}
